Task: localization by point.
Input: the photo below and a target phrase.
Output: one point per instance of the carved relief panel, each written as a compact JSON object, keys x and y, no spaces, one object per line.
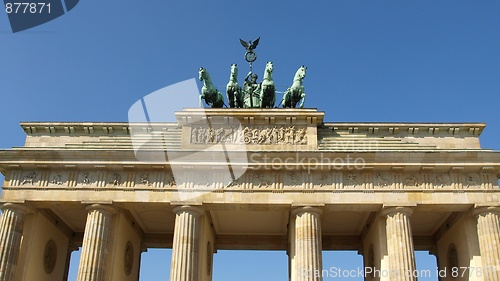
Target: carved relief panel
{"x":260,"y":135}
{"x":217,"y":178}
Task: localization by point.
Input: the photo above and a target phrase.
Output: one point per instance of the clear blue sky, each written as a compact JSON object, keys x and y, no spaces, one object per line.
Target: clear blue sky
{"x":408,"y":61}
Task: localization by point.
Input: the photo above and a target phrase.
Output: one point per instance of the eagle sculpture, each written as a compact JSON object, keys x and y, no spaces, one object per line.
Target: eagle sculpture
{"x":250,"y":45}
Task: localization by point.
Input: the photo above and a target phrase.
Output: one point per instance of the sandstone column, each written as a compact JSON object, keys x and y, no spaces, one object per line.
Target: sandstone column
{"x":305,"y":248}
{"x":488,"y":232}
{"x":185,"y":249}
{"x":11,"y":231}
{"x":95,"y":242}
{"x":400,"y":243}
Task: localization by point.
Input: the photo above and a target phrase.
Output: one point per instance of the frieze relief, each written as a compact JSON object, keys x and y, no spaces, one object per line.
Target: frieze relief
{"x":115,"y":179}
{"x":29,"y":178}
{"x":252,"y":180}
{"x":204,"y":180}
{"x":58,"y":178}
{"x":323,"y":180}
{"x":382,"y":180}
{"x":260,"y":181}
{"x":412,"y":180}
{"x":293,"y":179}
{"x":144,"y":179}
{"x":170,"y":180}
{"x":87,"y":178}
{"x":154,"y":179}
{"x":260,"y":135}
{"x":351,"y":180}
{"x":263,"y":181}
{"x":441,"y":180}
{"x":472,"y":180}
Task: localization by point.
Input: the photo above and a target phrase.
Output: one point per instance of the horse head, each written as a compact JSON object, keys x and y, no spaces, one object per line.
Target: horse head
{"x":234,"y":70}
{"x":201,"y":73}
{"x":269,"y":67}
{"x":301,"y":72}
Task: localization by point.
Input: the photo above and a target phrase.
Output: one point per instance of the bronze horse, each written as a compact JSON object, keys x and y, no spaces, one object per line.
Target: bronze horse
{"x":233,"y":90}
{"x":267,"y":89}
{"x":296,"y":92}
{"x":209,"y":93}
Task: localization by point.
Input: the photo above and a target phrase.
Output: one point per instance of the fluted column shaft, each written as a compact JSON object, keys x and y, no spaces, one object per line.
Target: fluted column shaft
{"x":95,"y":243}
{"x":400,"y":244}
{"x":488,"y":232}
{"x":11,"y":231}
{"x":185,"y":249}
{"x":306,"y":251}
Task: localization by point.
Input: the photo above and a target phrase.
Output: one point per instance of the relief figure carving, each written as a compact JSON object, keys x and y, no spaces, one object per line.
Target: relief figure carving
{"x":352,"y":180}
{"x":381,"y":181}
{"x":249,"y":135}
{"x":145,"y":179}
{"x":57,"y":179}
{"x":29,"y":178}
{"x":115,"y":180}
{"x":412,"y":180}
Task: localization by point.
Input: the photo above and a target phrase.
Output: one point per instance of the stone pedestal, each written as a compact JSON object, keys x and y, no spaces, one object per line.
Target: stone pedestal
{"x":185,"y":249}
{"x":11,"y":231}
{"x":400,"y":243}
{"x":488,"y":230}
{"x":95,"y":243}
{"x":305,"y":244}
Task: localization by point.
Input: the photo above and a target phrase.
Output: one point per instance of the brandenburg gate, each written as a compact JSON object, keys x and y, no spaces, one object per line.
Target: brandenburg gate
{"x":260,"y":179}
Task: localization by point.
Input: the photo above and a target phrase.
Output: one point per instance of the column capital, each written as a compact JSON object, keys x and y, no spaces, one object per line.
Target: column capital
{"x":480,"y":210}
{"x":196,"y":210}
{"x":102,"y":207}
{"x":19,"y":207}
{"x":387,"y":211}
{"x":306,"y":209}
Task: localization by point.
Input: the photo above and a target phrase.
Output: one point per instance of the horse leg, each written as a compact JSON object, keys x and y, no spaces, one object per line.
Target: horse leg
{"x":239,"y":98}
{"x":303,"y":96}
{"x":262,"y":93}
{"x":216,"y":101}
{"x":283,"y":101}
{"x":220,"y":100}
{"x":202,"y":97}
{"x":230,"y":97}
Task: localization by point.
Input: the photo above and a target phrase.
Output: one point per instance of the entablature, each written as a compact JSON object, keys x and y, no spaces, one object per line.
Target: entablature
{"x":252,"y":129}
